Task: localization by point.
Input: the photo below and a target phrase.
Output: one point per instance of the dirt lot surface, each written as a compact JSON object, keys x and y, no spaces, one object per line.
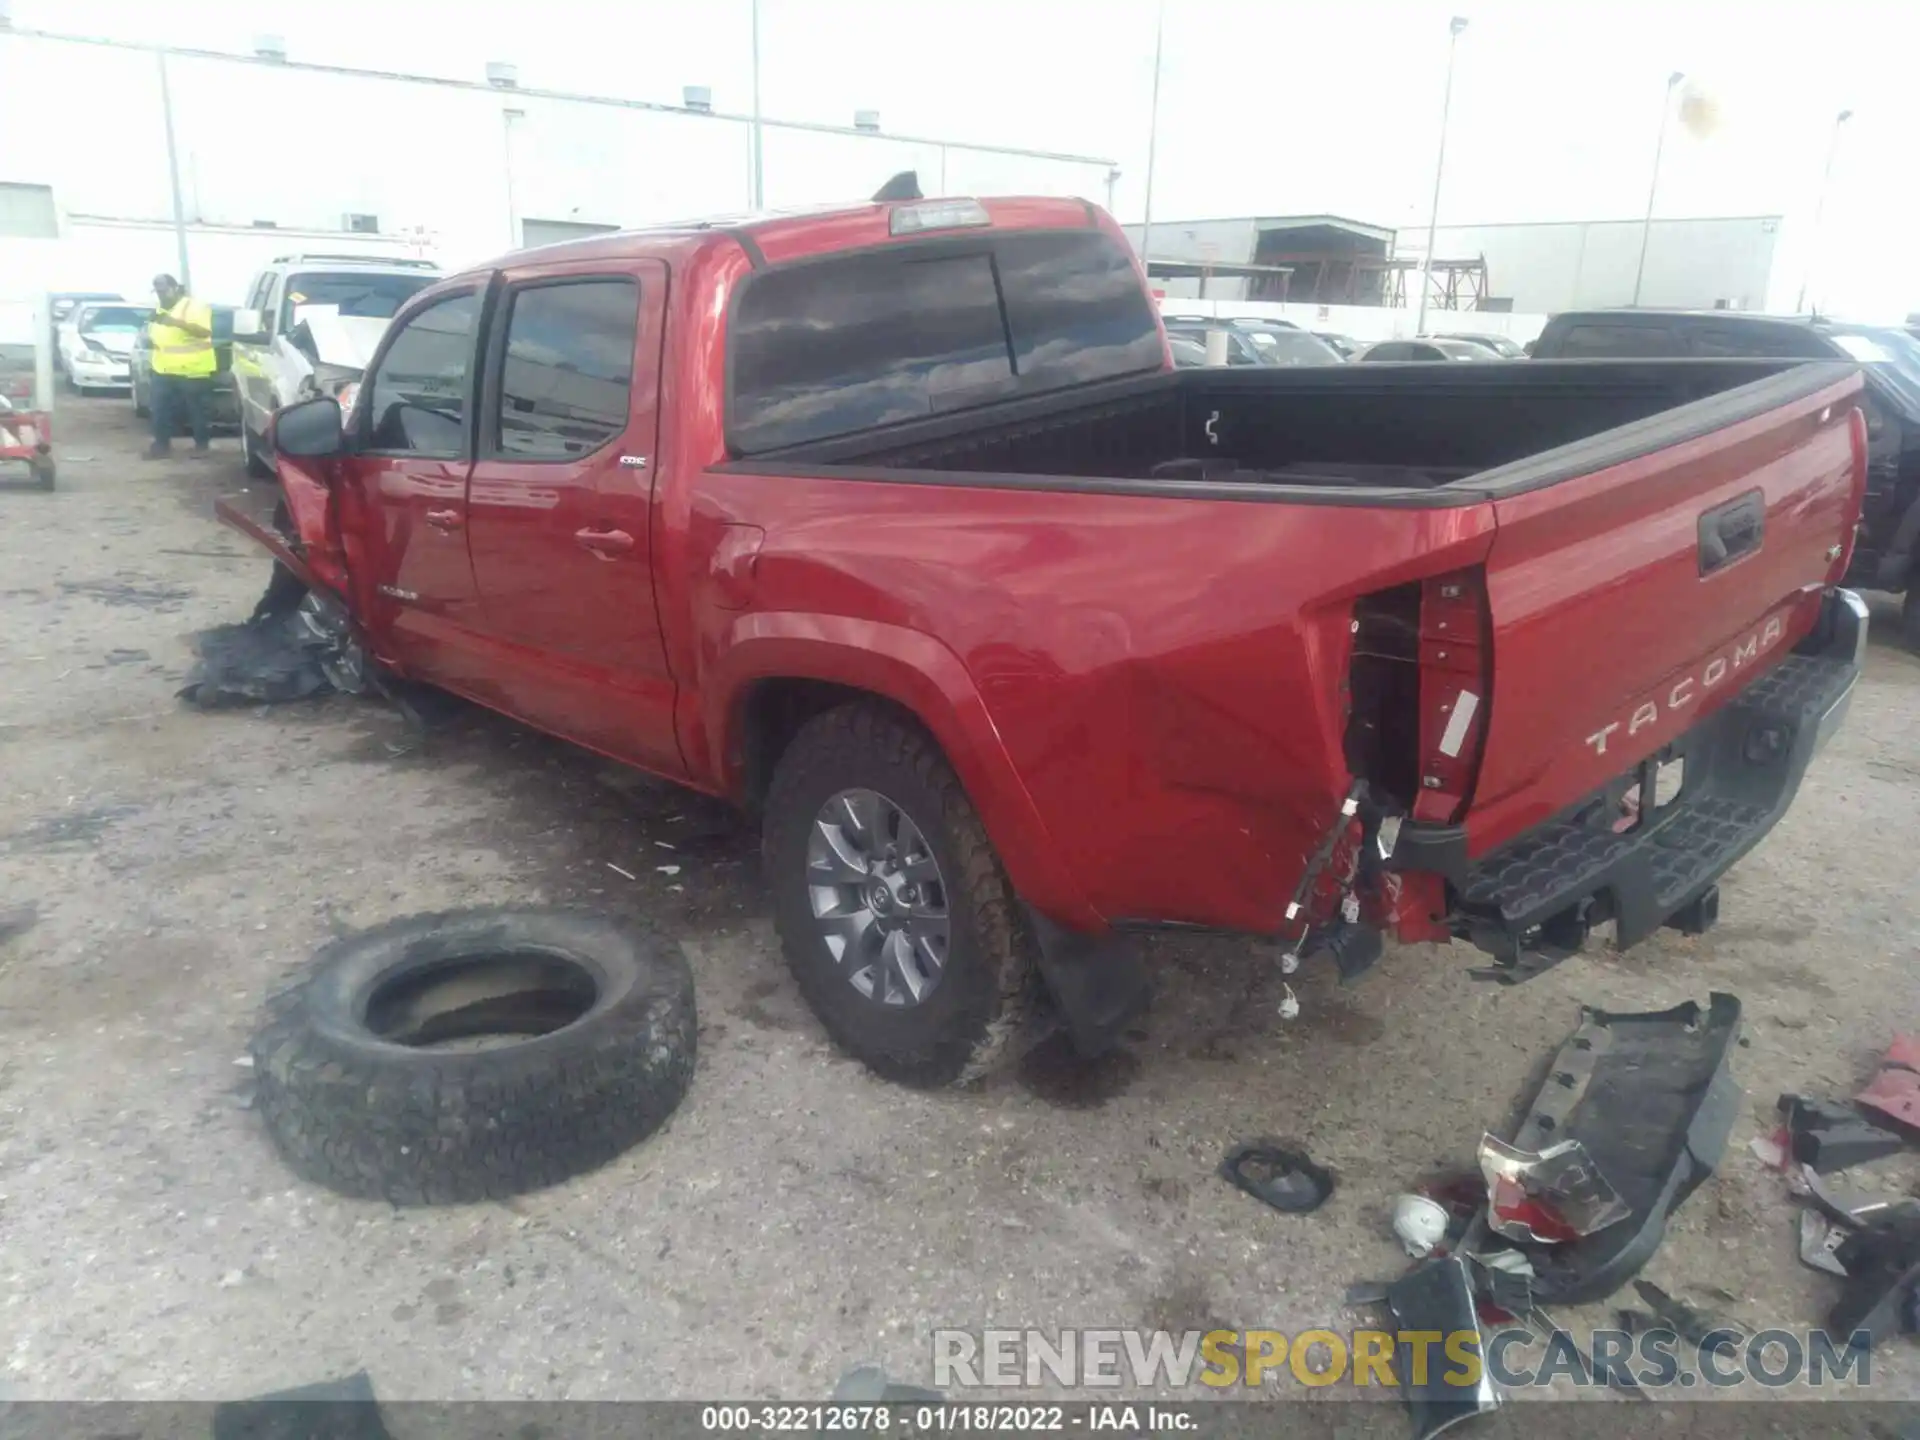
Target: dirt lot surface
{"x":797,"y":1215}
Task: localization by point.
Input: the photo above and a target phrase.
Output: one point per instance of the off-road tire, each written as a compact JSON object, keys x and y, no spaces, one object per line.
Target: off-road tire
{"x":259,"y":466}
{"x":376,"y":1119}
{"x":984,"y":1009}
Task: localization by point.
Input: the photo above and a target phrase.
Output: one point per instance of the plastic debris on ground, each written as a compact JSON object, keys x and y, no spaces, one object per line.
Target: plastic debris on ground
{"x":1895,"y":1088}
{"x":1632,"y":1117}
{"x":281,"y":654}
{"x":1829,"y":1136}
{"x":1421,"y":1223}
{"x":1550,"y":1197}
{"x":1278,"y":1176}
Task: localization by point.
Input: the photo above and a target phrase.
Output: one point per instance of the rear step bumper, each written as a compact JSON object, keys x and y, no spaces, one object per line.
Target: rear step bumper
{"x":1532,"y":901}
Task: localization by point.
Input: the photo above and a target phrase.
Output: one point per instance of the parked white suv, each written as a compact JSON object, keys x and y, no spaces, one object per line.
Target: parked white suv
{"x":309,"y":326}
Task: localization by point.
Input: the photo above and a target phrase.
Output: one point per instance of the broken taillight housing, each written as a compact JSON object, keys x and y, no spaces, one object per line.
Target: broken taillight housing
{"x":1418,"y":684}
{"x":1456,"y":669}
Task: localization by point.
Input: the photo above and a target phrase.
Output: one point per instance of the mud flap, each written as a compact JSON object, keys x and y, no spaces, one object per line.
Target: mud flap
{"x":1099,"y":983}
{"x":1652,"y":1099}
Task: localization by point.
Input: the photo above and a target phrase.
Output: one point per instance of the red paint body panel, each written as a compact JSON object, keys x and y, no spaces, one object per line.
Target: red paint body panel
{"x":1598,"y":603}
{"x":1144,"y":695}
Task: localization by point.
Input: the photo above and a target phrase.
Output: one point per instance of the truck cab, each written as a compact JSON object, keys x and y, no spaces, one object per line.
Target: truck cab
{"x":896,"y":526}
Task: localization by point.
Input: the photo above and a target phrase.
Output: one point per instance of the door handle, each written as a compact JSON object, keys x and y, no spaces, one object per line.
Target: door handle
{"x":443,"y":519}
{"x":604,"y":543}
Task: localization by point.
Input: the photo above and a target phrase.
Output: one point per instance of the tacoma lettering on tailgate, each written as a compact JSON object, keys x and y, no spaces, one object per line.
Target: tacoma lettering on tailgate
{"x":1695,"y":683}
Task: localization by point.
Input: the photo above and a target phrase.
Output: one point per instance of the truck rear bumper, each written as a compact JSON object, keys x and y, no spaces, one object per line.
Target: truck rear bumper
{"x":1538,"y":895}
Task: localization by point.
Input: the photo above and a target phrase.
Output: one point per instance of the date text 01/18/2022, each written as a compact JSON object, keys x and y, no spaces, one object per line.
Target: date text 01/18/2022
{"x":942,"y":1419}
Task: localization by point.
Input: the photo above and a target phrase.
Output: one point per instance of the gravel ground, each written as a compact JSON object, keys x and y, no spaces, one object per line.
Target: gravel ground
{"x":797,"y":1215}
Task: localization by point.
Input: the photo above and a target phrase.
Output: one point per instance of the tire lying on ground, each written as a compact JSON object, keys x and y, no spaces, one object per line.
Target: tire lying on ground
{"x":475,"y":1054}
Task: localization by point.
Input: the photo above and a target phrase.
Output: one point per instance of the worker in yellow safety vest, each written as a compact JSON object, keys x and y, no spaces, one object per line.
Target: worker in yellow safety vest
{"x":181,"y":335}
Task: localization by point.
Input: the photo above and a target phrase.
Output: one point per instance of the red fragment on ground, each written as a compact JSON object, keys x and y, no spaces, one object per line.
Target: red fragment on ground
{"x":1895,"y":1088}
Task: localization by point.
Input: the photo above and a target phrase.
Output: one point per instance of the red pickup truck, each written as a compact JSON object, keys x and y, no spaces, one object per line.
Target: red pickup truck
{"x":896,"y":526}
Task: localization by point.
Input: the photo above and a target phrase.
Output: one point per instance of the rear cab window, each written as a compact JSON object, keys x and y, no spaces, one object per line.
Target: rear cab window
{"x":822,"y":348}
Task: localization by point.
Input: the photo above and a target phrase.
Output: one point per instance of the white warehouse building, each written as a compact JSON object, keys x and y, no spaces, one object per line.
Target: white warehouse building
{"x":276,"y":157}
{"x":1707,"y":264}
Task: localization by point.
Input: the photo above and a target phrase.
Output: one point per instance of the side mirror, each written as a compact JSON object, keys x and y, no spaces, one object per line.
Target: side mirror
{"x":310,"y":430}
{"x":248,"y":325}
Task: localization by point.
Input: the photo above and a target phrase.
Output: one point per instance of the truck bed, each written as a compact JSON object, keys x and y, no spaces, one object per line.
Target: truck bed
{"x":1369,"y":434}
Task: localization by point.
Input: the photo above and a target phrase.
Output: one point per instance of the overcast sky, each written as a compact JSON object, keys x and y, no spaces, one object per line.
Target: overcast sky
{"x":1267,"y":106}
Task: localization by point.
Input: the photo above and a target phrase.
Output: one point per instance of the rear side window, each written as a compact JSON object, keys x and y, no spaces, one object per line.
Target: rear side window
{"x":835,"y":346}
{"x":419,"y":392}
{"x":1625,"y":341}
{"x":567,"y":372}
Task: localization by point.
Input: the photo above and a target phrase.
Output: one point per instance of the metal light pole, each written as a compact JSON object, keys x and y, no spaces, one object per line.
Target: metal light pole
{"x":508,"y":115}
{"x":1153,"y":138}
{"x":1653,"y":187}
{"x":759,"y":199}
{"x":173,"y":175}
{"x":1819,"y":209}
{"x":1454,"y":27}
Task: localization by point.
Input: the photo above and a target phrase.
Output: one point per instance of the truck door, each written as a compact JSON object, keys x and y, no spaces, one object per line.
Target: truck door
{"x":408,"y":467}
{"x":560,"y":506}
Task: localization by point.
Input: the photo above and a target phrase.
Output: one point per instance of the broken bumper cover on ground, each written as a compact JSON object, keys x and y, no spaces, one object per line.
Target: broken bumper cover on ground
{"x":1541,"y":893}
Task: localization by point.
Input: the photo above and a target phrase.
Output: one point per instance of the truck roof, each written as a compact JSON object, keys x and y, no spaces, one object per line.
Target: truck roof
{"x":772,"y":237}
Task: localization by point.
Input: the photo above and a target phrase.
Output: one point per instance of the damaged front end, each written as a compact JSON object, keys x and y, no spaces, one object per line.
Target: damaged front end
{"x":285,"y":651}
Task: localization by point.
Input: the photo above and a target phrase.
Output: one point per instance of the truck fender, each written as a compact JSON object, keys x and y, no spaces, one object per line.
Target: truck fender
{"x":921,"y":675}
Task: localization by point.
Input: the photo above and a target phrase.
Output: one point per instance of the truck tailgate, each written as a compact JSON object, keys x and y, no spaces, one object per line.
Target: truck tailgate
{"x":1686,"y":556}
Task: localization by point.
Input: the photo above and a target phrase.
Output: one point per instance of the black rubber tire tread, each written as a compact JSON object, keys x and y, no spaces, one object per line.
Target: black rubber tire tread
{"x":376,"y":1120}
{"x":986,"y":1005}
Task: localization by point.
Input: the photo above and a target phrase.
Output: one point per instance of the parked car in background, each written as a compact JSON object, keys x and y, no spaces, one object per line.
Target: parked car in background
{"x":1253,"y":345}
{"x":95,"y":341}
{"x":1426,"y":349}
{"x":1188,"y":353}
{"x":62,"y":304}
{"x":224,"y":412}
{"x":1887,"y":553}
{"x":1500,"y":345}
{"x":1019,"y":640}
{"x":308,"y":327}
{"x":1345,"y":345}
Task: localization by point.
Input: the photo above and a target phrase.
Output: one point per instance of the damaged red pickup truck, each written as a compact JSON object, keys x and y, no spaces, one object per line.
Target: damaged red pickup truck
{"x":896,"y":525}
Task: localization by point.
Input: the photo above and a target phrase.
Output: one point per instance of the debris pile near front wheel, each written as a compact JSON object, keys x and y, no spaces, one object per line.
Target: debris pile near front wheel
{"x":283,"y":653}
{"x":359,"y":1092}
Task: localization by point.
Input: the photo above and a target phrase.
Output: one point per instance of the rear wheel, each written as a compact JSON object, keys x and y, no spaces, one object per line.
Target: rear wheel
{"x":898,"y":923}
